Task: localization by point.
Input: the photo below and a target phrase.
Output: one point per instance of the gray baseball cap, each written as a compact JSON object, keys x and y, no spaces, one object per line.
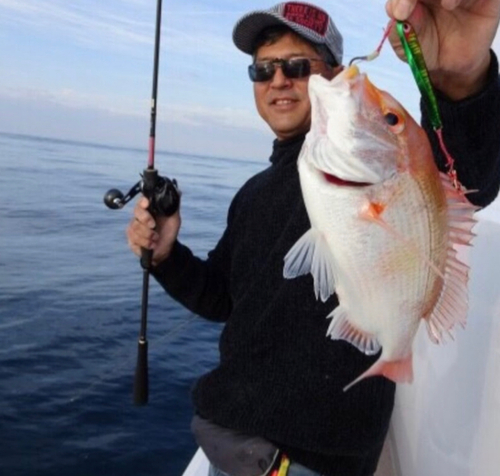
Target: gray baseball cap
{"x":308,"y":21}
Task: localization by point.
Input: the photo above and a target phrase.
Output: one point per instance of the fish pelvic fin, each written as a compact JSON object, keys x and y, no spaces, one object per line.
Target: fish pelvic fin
{"x":341,"y":329}
{"x":311,"y":255}
{"x":452,"y":305}
{"x":399,"y":371}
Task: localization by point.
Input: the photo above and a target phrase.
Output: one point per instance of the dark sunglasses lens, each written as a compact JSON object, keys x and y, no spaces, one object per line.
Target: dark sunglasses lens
{"x":292,"y":68}
{"x":259,"y":72}
{"x":296,"y":68}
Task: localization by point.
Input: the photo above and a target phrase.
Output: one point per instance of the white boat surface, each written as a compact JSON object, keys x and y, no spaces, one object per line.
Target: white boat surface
{"x":198,"y":466}
{"x":447,"y":422}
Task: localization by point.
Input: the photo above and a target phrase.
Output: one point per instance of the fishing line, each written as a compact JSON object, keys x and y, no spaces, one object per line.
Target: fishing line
{"x":377,"y":51}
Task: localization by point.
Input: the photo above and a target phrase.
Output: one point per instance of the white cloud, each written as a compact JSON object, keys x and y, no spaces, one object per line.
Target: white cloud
{"x":226,"y":116}
{"x":75,"y":100}
{"x":188,"y":114}
{"x":98,"y":25}
{"x":88,"y":25}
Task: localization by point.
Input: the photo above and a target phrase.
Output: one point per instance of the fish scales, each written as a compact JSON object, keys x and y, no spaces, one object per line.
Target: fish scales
{"x":366,"y":265}
{"x":384,"y":224}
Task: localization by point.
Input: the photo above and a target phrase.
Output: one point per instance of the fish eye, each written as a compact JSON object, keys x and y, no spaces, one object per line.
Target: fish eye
{"x":391,"y":119}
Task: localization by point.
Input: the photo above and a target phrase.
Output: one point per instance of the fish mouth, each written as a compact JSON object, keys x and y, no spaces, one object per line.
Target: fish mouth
{"x":333,"y":179}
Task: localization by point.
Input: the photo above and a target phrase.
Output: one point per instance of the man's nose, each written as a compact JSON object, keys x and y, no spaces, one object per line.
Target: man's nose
{"x":279,"y":80}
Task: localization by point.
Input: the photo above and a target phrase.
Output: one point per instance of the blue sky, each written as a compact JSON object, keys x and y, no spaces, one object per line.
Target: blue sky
{"x":82,"y":70}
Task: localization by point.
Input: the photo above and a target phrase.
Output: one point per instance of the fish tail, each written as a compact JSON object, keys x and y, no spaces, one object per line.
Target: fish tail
{"x":399,"y":371}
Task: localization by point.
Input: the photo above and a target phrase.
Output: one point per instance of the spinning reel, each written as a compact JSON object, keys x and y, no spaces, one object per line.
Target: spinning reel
{"x":163,"y":194}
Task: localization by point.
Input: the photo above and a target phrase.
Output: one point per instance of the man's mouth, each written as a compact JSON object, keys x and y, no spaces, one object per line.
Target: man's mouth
{"x":282,"y":102}
{"x":344,"y":183}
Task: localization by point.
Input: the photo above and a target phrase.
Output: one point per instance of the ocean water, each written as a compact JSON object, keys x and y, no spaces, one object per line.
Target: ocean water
{"x":70,"y":294}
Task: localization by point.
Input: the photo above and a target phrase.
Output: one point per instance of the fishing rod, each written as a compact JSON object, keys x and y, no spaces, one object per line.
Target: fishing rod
{"x":163,"y":196}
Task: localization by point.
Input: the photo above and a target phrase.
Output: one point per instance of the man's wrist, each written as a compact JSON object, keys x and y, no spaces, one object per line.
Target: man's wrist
{"x":457,"y":86}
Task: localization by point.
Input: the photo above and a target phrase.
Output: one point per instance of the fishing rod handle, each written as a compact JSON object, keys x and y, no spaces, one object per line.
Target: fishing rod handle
{"x":141,"y":379}
{"x":164,"y":199}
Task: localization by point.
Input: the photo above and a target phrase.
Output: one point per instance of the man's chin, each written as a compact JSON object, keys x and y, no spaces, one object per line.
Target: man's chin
{"x":288,"y":131}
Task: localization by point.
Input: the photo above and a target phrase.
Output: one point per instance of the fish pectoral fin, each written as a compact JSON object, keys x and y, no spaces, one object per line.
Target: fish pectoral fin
{"x":399,"y":371}
{"x":372,"y":211}
{"x":311,"y":255}
{"x":341,"y":329}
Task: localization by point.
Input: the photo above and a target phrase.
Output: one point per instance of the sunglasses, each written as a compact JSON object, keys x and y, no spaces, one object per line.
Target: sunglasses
{"x":292,"y":68}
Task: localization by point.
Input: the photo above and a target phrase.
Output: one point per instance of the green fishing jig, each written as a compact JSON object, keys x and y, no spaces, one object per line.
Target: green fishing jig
{"x":418,"y":67}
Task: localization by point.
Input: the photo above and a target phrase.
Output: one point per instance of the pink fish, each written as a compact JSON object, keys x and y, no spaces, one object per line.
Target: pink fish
{"x":385,"y":224}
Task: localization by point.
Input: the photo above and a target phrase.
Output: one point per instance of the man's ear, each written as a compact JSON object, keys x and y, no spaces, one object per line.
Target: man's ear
{"x":332,"y":72}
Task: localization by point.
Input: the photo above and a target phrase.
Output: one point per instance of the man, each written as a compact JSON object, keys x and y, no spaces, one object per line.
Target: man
{"x":278,"y":387}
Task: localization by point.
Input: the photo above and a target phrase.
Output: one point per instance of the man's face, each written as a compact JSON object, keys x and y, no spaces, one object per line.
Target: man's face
{"x":284,"y":102}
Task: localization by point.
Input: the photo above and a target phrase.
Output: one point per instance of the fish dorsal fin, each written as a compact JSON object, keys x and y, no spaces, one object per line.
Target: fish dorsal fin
{"x":311,"y":255}
{"x":452,"y":305}
{"x":341,"y":328}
